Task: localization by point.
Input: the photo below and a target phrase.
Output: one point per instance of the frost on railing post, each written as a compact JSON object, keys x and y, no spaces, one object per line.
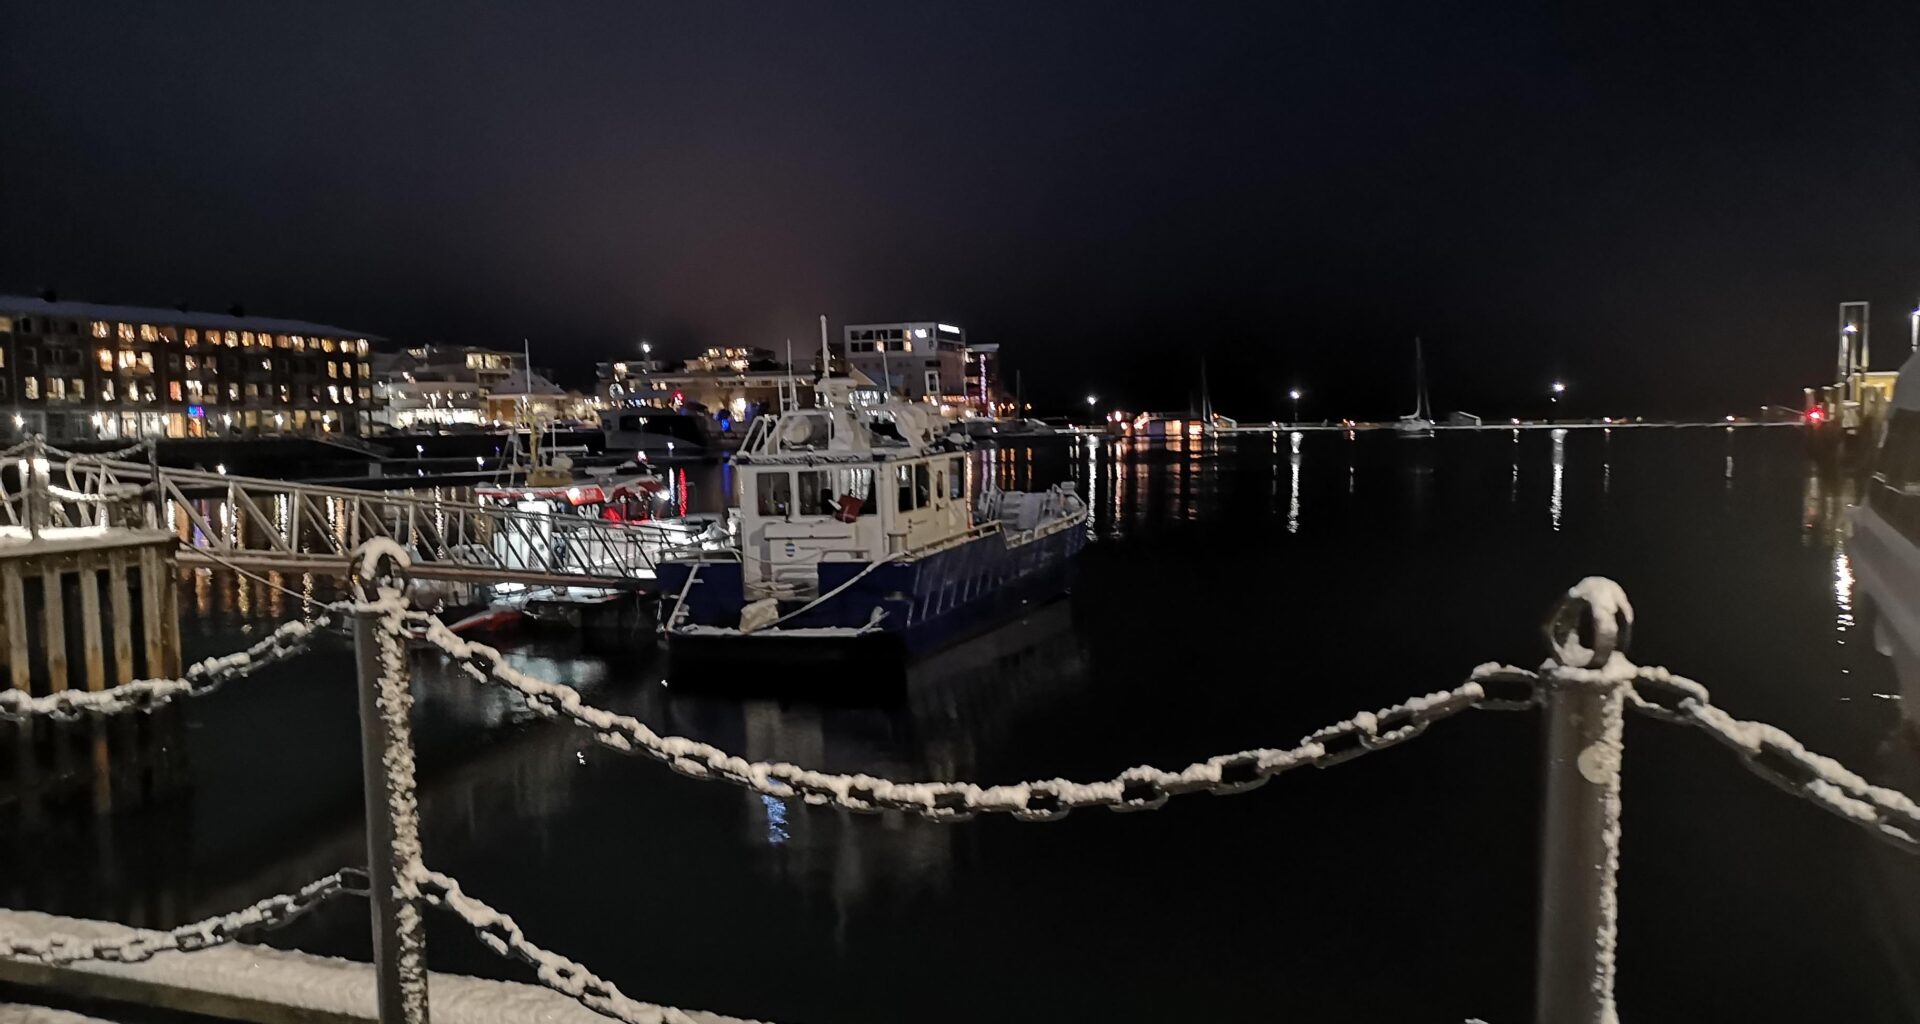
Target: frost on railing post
{"x":386,"y":746}
{"x":1588,"y":632}
{"x":38,"y":505}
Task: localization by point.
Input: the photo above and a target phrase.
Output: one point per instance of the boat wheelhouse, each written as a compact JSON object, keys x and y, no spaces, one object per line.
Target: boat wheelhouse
{"x":861,"y":519}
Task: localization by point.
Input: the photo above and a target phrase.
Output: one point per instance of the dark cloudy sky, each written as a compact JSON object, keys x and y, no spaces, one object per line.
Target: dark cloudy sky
{"x":1661,"y":202}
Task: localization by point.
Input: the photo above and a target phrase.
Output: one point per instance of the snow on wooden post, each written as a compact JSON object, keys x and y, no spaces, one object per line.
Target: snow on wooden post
{"x":386,"y":748}
{"x":1580,"y":841}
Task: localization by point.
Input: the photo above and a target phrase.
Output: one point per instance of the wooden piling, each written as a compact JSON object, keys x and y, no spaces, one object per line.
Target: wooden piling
{"x":96,"y":668}
{"x":120,"y":604}
{"x":13,"y":606}
{"x":53,"y":616}
{"x":40,"y":567}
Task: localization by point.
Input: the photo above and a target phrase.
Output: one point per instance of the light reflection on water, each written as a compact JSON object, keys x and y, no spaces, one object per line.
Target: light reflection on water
{"x":1210,"y":617}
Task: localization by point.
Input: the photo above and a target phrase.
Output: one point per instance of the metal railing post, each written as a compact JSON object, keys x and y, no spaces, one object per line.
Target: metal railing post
{"x":1580,"y":823}
{"x":38,"y":504}
{"x":393,"y":825}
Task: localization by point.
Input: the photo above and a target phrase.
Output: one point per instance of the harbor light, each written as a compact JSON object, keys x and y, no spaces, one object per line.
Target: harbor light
{"x":1294,"y":393}
{"x":221,"y":469}
{"x":1092,"y":400}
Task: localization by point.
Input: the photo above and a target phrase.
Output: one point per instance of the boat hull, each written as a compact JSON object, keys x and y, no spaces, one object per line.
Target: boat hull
{"x":894,"y":609}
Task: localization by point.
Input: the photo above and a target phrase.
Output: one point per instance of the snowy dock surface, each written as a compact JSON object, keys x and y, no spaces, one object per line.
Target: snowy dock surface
{"x":261,"y":985}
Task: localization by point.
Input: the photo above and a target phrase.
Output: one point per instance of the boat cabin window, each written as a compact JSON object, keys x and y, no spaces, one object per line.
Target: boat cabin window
{"x":841,"y":493}
{"x":773,"y":492}
{"x":956,"y":480}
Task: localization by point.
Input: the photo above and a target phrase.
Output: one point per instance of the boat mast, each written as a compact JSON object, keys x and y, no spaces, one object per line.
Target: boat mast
{"x":1422,"y":407}
{"x":1206,"y":400}
{"x":826,"y":354}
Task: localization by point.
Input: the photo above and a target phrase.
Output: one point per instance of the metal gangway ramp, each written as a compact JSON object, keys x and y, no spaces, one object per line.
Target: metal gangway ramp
{"x":268,"y":525}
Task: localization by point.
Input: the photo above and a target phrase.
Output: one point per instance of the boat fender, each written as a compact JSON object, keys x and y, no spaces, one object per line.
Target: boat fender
{"x":759,"y":614}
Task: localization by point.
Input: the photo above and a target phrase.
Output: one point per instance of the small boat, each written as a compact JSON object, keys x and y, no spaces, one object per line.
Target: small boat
{"x":862,"y":524}
{"x":1420,"y":422}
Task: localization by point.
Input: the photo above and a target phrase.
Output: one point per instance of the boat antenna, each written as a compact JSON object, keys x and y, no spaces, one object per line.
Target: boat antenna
{"x":826,"y":354}
{"x":793,"y":391}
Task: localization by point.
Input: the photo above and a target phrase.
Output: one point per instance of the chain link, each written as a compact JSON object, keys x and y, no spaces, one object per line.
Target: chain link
{"x":118,"y":454}
{"x":499,"y":933}
{"x":1774,"y":755}
{"x":273,"y":912}
{"x":288,"y":640}
{"x":1137,"y":789}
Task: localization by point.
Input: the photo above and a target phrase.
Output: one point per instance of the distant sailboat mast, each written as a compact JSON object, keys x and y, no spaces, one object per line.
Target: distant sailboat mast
{"x":1422,"y":406}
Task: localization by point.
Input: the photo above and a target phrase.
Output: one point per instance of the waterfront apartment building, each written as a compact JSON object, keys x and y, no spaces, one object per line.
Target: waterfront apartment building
{"x":732,"y":384}
{"x":924,"y":361}
{"x":437,"y":386}
{"x":76,"y":370}
{"x":928,"y":361}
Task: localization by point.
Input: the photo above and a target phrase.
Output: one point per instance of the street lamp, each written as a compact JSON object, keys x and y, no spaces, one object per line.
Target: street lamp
{"x":1559,"y":388}
{"x":1295,"y":395}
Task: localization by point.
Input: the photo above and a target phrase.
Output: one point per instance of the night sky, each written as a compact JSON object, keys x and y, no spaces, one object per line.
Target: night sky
{"x":1660,"y":202}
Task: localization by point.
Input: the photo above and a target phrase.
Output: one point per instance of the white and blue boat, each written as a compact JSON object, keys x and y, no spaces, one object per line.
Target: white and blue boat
{"x":861,"y":522}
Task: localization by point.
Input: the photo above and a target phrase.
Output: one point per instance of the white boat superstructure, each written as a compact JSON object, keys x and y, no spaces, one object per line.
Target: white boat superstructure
{"x":1883,"y":555}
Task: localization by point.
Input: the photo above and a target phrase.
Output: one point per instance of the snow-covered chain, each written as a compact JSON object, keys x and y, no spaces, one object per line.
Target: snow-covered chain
{"x":499,"y":933}
{"x":1141,"y":788}
{"x":1769,"y":751}
{"x":287,"y":640}
{"x":272,"y":912}
{"x":1782,"y":760}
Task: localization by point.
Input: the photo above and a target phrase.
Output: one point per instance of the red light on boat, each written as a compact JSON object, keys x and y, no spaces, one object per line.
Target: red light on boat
{"x":1816,"y":415}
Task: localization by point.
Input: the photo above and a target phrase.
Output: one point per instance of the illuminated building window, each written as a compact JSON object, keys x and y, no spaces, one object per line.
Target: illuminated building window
{"x":282,"y":341}
{"x":299,"y":343}
{"x":362,"y":347}
{"x":173,"y":390}
{"x":266,"y":364}
{"x":326,"y":344}
{"x":106,"y":391}
{"x":253,"y":391}
{"x":170,"y":333}
{"x":233,"y":393}
{"x":191,"y":363}
{"x":106,"y":359}
{"x":100,"y":329}
{"x":30,"y":387}
{"x":77,"y":387}
{"x":286,"y":394}
{"x":246,"y":339}
{"x":56,"y":388}
{"x":333,"y":371}
{"x":233,"y":339}
{"x":193,"y":337}
{"x":126,"y":332}
{"x":333,"y":393}
{"x":147,"y":333}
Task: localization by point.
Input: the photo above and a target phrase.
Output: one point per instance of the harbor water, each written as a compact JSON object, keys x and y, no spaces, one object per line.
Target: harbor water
{"x":1242,"y":592}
